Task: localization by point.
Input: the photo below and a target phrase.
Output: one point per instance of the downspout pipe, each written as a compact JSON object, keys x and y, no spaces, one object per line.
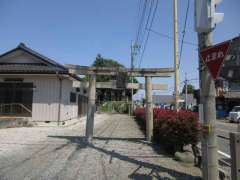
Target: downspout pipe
{"x":59,"y":99}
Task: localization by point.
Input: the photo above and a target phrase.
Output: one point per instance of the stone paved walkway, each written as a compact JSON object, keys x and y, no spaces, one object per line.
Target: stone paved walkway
{"x":118,"y":151}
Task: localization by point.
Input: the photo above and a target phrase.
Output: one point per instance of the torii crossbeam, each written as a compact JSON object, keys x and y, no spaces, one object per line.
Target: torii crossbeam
{"x":112,"y":71}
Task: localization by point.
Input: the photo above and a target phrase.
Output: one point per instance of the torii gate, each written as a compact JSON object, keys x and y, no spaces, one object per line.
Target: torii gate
{"x":113,"y":85}
{"x":112,"y":71}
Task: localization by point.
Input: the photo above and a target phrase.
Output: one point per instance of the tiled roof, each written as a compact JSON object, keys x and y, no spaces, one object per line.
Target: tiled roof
{"x":36,"y":54}
{"x":30,"y":68}
{"x":47,"y":66}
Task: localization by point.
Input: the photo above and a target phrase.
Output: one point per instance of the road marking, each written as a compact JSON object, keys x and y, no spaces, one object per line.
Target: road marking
{"x":224,"y":154}
{"x":220,"y":152}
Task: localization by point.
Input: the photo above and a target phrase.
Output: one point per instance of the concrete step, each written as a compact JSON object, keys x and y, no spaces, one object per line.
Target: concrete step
{"x":10,"y":122}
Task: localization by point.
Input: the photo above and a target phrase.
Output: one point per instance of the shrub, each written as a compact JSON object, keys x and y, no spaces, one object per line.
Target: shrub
{"x":172,"y":129}
{"x":140,"y":116}
{"x":114,"y":106}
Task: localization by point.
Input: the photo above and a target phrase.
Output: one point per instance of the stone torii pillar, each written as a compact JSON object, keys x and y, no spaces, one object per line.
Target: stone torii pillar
{"x":149,"y":108}
{"x":91,"y":107}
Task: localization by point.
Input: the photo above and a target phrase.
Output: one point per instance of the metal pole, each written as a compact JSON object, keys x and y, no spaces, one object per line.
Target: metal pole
{"x":186,"y":92}
{"x":176,"y":56}
{"x":59,"y":100}
{"x":149,"y":109}
{"x":238,"y":128}
{"x":235,"y":155}
{"x":207,"y":98}
{"x":91,"y":107}
{"x":132,"y":66}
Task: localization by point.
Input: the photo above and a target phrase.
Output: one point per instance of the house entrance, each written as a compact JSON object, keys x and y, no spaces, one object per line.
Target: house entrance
{"x":16,"y":99}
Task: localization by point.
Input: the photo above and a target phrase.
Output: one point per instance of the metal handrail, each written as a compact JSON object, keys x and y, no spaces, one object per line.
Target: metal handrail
{"x":19,"y":104}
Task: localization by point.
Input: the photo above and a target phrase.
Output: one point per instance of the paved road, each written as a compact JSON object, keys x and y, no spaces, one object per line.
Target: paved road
{"x":223,"y":130}
{"x":118,"y":151}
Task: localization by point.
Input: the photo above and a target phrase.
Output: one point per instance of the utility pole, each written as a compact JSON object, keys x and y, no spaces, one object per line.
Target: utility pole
{"x":176,"y":56}
{"x":186,"y":92}
{"x":132,"y":66}
{"x":91,"y":107}
{"x":205,"y":22}
{"x":134,"y":46}
{"x":207,"y":99}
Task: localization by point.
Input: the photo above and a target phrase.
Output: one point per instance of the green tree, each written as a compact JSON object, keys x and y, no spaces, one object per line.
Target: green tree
{"x":190,"y":89}
{"x":104,"y":62}
{"x":110,"y":94}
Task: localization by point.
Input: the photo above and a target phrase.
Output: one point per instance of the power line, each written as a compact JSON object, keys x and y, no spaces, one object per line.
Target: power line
{"x":193,"y":79}
{"x":183,"y":33}
{"x":148,"y":18}
{"x":139,"y":7}
{"x":142,"y":17}
{"x":147,"y":22}
{"x":149,"y":14}
{"x":146,"y":40}
{"x":138,"y":15}
{"x":170,"y":37}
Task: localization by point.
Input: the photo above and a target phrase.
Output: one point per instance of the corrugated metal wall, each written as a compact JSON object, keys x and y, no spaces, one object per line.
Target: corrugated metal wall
{"x":68,"y":110}
{"x":45,"y":98}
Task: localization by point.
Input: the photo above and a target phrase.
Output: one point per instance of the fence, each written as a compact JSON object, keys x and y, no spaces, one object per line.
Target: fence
{"x":235,"y":155}
{"x":234,"y":139}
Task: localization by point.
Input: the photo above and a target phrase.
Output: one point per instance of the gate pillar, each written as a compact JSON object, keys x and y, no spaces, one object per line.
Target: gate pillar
{"x":91,"y":107}
{"x":149,"y":108}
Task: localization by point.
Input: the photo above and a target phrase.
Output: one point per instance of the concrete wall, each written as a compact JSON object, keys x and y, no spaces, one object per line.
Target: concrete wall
{"x":46,"y":97}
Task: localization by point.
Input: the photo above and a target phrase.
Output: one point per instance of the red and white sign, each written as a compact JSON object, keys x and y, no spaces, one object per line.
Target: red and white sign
{"x":213,"y":57}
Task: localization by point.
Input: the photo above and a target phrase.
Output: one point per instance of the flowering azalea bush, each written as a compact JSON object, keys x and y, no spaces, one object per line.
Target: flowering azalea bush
{"x":171,"y":128}
{"x":140,"y":116}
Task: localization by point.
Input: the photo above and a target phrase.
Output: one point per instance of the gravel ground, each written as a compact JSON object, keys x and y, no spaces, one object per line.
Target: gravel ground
{"x":118,"y":151}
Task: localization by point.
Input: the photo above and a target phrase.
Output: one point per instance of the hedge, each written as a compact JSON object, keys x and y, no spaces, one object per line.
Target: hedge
{"x":172,"y":129}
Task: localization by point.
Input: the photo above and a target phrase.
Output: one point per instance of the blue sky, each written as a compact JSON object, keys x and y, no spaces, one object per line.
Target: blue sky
{"x":75,"y":31}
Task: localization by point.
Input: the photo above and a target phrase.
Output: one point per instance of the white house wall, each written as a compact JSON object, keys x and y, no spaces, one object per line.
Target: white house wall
{"x":46,"y":98}
{"x":68,"y":110}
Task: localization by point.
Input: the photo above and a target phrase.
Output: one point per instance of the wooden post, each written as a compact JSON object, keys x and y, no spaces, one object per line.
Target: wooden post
{"x":149,"y":110}
{"x":235,"y":155}
{"x":91,"y":107}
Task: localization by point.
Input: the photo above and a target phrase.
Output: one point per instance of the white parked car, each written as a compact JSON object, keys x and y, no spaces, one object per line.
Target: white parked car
{"x":234,"y":115}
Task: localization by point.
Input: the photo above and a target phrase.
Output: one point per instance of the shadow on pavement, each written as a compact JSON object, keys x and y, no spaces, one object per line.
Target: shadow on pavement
{"x":155,"y":168}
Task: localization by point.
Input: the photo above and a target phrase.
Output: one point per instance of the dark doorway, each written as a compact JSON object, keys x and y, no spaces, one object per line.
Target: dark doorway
{"x":82,"y":105}
{"x":16,"y":99}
